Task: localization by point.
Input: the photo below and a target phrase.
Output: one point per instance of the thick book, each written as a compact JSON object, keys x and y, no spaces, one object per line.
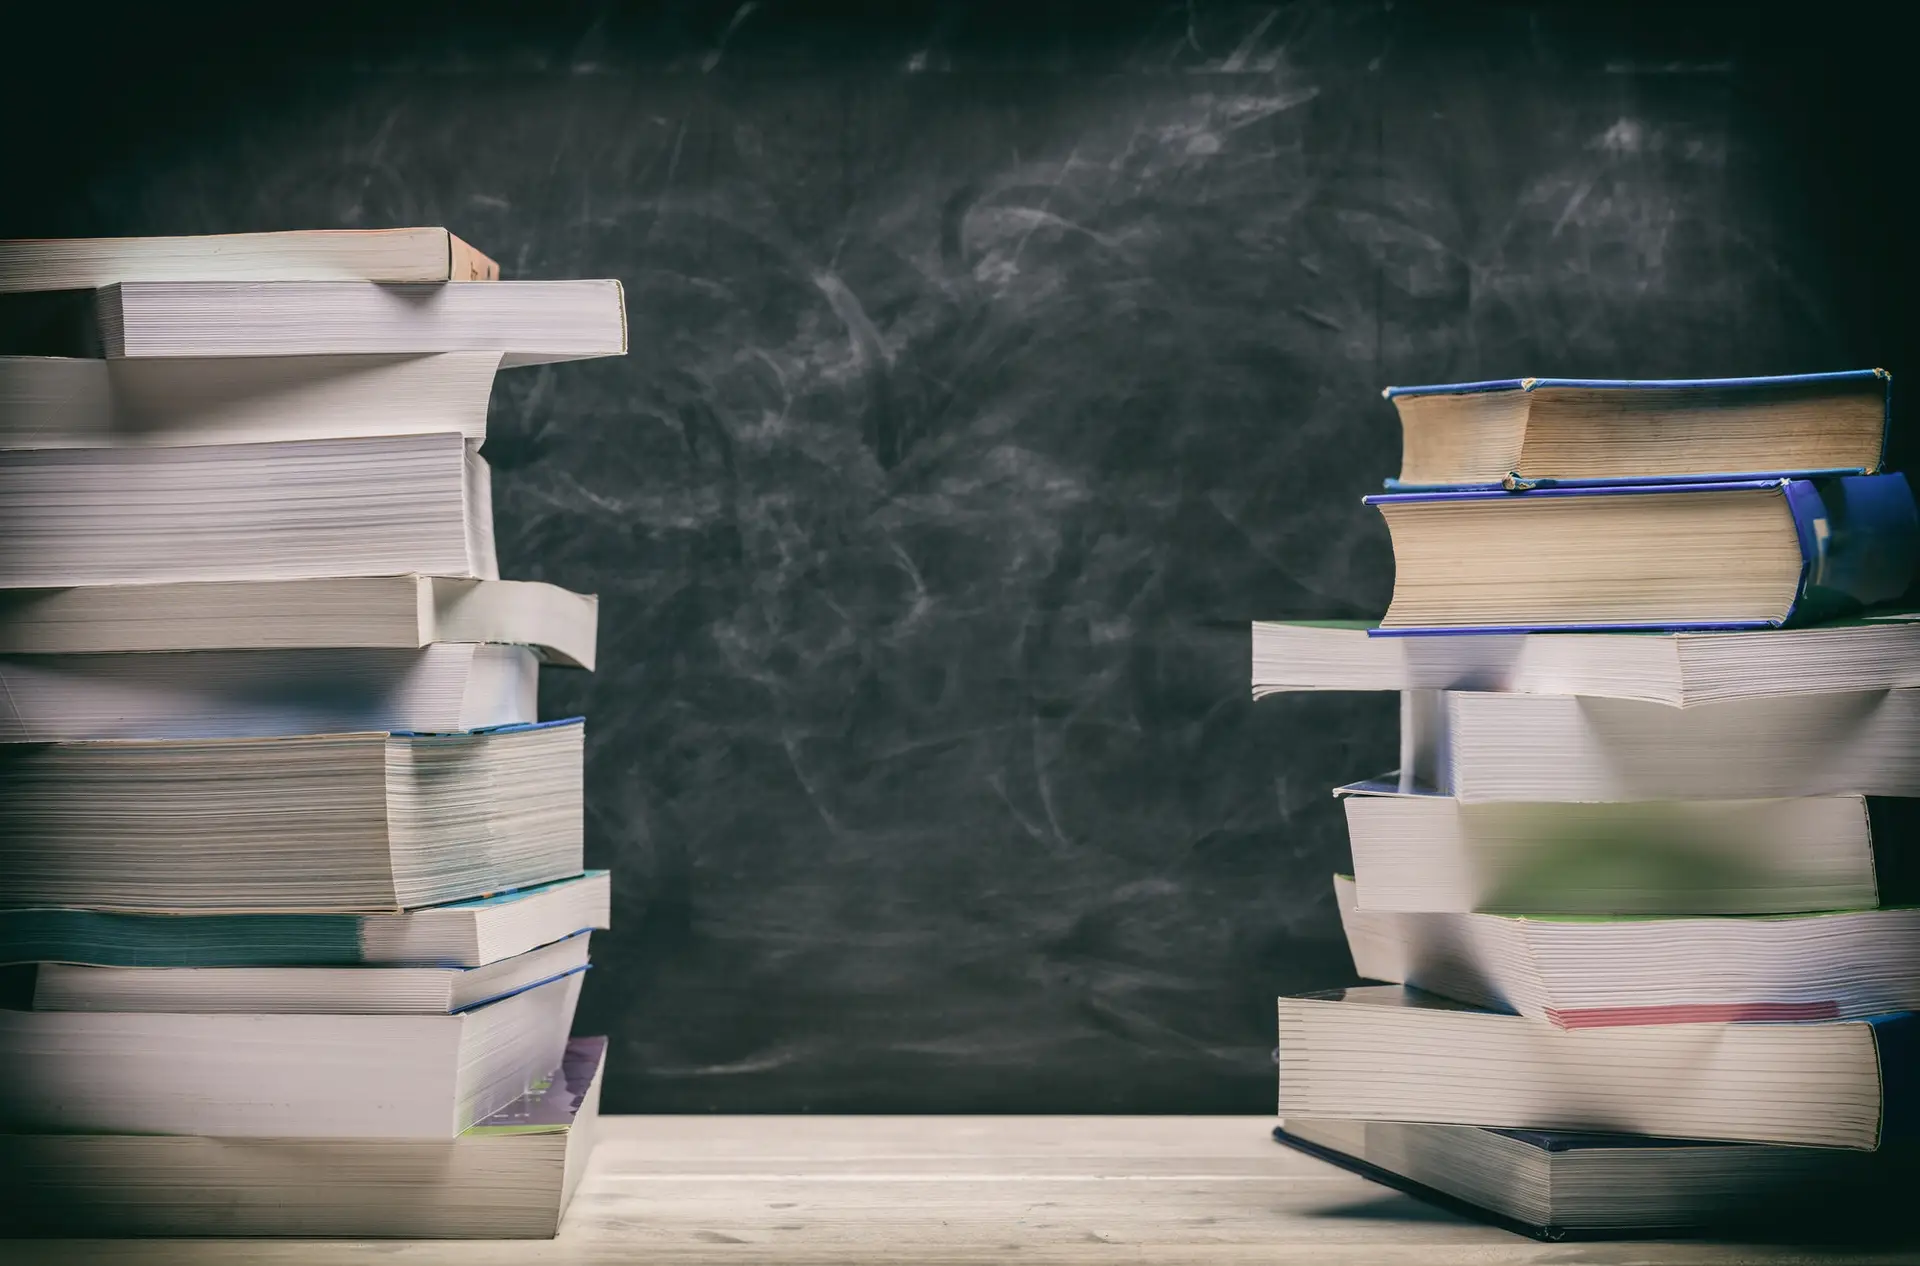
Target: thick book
{"x":1500,"y":746}
{"x":472,"y":933}
{"x":80,"y":402}
{"x":370,"y":990}
{"x":279,"y":1076}
{"x":385,"y":255}
{"x":1557,"y":1186}
{"x":510,"y":1176}
{"x":322,"y":612}
{"x":1679,"y":669}
{"x":524,"y":322}
{"x":1741,"y":554}
{"x":1387,"y":1053}
{"x":1543,"y":431}
{"x":1422,"y":851}
{"x":226,"y":694}
{"x":316,"y":823}
{"x":283,"y":511}
{"x":1584,"y":973}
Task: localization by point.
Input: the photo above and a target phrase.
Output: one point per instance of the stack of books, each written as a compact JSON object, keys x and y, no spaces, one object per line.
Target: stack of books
{"x":293,"y":913}
{"x":1640,"y":890}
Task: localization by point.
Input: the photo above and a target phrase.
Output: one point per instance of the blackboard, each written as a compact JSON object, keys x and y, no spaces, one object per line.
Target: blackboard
{"x":992,"y":366}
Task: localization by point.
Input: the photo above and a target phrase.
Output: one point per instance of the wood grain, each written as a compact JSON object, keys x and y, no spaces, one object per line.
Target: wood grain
{"x":728,"y":1189}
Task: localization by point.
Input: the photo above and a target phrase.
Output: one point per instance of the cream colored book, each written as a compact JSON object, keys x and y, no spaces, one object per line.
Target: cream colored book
{"x":279,"y":1076}
{"x":526,"y":322}
{"x":82,"y":402}
{"x":254,"y":693}
{"x":1578,"y":973}
{"x":383,"y":255}
{"x":1388,"y":1053}
{"x":1677,"y":669}
{"x":1420,"y":851}
{"x":283,"y":511}
{"x":371,"y":990}
{"x":1561,"y":747}
{"x":317,"y":613}
{"x":510,"y":1176}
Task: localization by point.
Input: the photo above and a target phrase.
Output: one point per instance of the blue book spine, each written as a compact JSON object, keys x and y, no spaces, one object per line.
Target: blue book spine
{"x":1859,"y":538}
{"x":1896,"y":1041}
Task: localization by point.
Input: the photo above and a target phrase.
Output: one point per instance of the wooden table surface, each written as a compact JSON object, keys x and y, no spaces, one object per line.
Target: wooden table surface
{"x":738,"y":1189}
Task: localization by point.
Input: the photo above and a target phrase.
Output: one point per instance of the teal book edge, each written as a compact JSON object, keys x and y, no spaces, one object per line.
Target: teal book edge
{"x":51,"y":934}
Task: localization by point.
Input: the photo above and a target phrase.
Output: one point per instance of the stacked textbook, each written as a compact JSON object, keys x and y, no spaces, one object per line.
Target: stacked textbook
{"x":293,"y":914}
{"x":1642,"y":891}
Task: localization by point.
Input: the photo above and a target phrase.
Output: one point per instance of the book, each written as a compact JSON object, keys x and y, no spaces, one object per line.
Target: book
{"x":80,"y":402}
{"x":511,"y":1175}
{"x":1555,"y":1185}
{"x":1541,"y":431}
{"x":322,"y":612}
{"x":1679,"y":669}
{"x":386,"y":255}
{"x":315,"y":823}
{"x":1744,"y":554}
{"x":1580,"y":973}
{"x":471,"y":933}
{"x":1421,"y":851}
{"x":279,"y":1076}
{"x":523,"y":322}
{"x":369,"y":990}
{"x":222,"y":694}
{"x":1559,"y":747}
{"x":1386,"y":1053}
{"x":282,"y":511}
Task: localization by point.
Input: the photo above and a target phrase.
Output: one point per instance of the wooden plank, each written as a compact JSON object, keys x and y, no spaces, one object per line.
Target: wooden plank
{"x":1069,"y":1190}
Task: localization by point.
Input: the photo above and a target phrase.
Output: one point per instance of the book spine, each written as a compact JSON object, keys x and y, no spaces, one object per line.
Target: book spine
{"x":1859,"y":542}
{"x":1896,"y":1042}
{"x":464,"y":263}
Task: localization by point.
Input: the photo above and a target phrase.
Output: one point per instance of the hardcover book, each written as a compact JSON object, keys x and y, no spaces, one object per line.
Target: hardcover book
{"x":1742,"y":554}
{"x":1536,"y":432}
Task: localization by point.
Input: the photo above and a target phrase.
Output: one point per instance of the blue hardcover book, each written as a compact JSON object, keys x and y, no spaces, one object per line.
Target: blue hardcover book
{"x":1542,"y":432}
{"x":1757,"y":553}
